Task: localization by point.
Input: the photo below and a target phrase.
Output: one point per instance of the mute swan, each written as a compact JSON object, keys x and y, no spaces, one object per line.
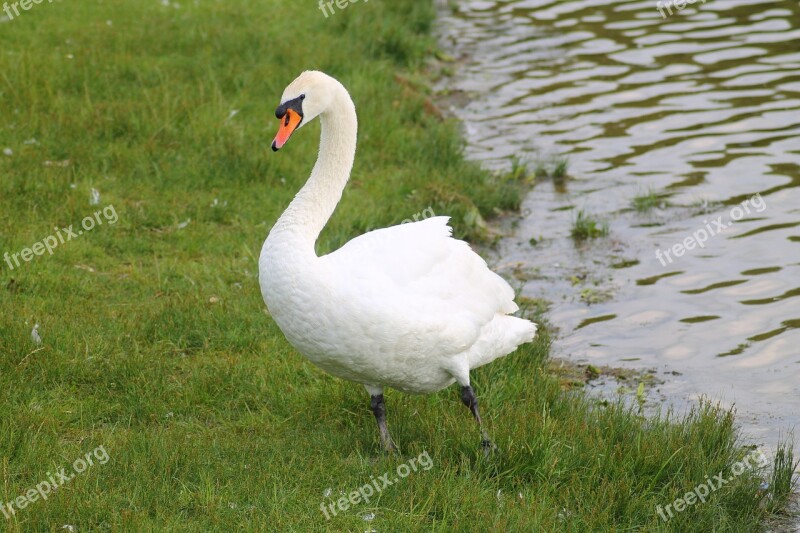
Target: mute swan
{"x":406,"y":307}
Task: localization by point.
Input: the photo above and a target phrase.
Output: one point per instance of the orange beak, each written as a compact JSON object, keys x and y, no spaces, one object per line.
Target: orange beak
{"x":289,"y":123}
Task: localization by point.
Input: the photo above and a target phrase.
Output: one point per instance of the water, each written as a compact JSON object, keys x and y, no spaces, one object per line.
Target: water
{"x":703,"y":108}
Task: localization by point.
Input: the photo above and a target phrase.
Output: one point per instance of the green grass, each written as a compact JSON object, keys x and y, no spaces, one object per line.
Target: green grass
{"x":155,"y":342}
{"x":782,"y":480}
{"x":646,"y":201}
{"x":555,"y":167}
{"x":519,"y":169}
{"x":560,"y":167}
{"x":584,"y":227}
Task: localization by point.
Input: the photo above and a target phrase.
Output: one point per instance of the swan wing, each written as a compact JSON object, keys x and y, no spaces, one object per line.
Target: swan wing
{"x":416,"y":281}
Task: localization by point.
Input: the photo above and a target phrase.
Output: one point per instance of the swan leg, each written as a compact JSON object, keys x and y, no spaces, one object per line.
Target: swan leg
{"x":379,"y":410}
{"x":469,"y":399}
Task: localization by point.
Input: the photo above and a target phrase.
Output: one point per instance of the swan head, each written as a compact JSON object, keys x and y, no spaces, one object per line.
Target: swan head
{"x":303,"y":100}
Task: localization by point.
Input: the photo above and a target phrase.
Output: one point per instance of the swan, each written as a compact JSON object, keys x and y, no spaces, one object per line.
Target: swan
{"x":407,"y":307}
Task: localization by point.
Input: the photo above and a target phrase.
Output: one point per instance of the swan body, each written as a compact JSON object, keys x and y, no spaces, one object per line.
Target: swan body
{"x":407,"y":306}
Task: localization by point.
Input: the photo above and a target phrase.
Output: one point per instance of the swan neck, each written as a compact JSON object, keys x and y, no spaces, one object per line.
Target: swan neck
{"x":314,"y":204}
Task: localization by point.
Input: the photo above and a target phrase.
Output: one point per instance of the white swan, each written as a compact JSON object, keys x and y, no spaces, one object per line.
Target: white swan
{"x":407,"y":307}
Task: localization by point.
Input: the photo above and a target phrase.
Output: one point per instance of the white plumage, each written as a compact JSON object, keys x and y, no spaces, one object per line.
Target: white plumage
{"x":407,"y":306}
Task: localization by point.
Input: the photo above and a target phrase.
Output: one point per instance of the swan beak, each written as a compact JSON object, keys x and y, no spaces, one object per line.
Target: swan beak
{"x":289,"y":123}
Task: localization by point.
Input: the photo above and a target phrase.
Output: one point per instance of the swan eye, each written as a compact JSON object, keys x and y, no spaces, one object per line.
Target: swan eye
{"x":295,"y":105}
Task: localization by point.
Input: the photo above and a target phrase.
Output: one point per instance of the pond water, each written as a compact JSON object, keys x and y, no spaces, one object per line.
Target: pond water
{"x":697,"y":112}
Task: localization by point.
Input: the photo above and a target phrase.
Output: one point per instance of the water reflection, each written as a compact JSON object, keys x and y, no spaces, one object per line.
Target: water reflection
{"x":701,"y":109}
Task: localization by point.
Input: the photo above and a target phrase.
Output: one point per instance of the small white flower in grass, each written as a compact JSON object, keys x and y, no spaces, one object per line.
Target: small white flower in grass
{"x":35,"y":334}
{"x":232,"y":114}
{"x":109,"y":23}
{"x":232,"y":505}
{"x":369,"y":517}
{"x":184,"y":223}
{"x":68,"y":527}
{"x":95,"y":199}
{"x":327,"y":492}
{"x":8,"y":151}
{"x":70,"y":56}
{"x":30,"y":141}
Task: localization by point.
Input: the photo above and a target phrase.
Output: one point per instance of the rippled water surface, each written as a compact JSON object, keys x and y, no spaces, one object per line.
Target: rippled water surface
{"x":703,"y":109}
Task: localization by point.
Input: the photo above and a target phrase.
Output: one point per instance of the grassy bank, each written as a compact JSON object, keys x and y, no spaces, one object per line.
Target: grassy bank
{"x":155,"y":344}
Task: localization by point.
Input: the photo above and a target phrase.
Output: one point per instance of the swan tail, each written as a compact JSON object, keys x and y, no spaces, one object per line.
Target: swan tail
{"x":499,"y":338}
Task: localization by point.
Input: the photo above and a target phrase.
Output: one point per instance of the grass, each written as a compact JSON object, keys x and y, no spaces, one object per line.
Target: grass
{"x":586,"y":227}
{"x":560,"y":167}
{"x":646,"y":201}
{"x":555,"y":167}
{"x":782,"y":480}
{"x":519,"y":169}
{"x":154,"y":340}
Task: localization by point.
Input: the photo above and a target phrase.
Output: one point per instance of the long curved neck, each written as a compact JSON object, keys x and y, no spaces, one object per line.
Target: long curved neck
{"x":312,"y":207}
